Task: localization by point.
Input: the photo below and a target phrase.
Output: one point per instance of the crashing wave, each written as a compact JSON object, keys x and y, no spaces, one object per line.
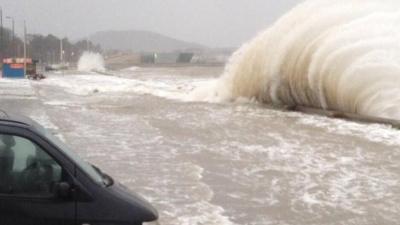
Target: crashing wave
{"x":340,"y":55}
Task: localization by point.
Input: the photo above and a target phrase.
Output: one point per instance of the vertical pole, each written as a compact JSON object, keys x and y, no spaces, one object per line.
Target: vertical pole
{"x":13,"y":39}
{"x":1,"y":28}
{"x":62,"y":55}
{"x":13,"y":46}
{"x":1,"y":37}
{"x":25,"y":47}
{"x":61,"y":51}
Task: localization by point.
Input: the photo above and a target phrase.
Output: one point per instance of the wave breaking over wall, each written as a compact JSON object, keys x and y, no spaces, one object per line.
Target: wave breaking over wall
{"x":340,"y":55}
{"x":91,"y":62}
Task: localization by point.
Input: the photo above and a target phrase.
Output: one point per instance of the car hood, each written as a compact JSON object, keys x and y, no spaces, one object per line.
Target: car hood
{"x":143,"y":210}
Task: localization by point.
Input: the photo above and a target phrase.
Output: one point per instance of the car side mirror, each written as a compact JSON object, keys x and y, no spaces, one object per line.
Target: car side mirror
{"x":62,"y":190}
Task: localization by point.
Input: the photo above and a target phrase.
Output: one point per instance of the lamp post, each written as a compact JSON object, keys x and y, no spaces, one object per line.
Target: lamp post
{"x":13,"y":33}
{"x":1,"y":28}
{"x":25,"y":48}
{"x":61,"y":51}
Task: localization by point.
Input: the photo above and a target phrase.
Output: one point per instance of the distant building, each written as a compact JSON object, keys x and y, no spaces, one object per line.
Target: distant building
{"x":148,"y":58}
{"x":166,"y":58}
{"x":185,"y":57}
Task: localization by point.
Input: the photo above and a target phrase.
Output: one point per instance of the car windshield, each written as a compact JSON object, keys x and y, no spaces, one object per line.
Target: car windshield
{"x":94,"y":174}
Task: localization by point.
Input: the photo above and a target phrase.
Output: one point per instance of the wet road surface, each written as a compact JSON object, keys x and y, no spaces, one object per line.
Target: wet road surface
{"x":228,"y":163}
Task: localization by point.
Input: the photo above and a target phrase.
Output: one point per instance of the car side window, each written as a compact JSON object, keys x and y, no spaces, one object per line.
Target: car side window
{"x":26,"y":169}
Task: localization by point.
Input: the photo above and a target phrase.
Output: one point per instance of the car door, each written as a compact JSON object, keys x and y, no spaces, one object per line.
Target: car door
{"x":29,"y":177}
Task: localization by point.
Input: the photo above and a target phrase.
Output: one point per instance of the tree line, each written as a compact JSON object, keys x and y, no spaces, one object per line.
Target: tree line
{"x":46,"y":49}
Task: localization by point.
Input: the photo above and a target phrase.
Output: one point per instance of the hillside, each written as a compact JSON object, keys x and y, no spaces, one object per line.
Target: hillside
{"x":140,"y":41}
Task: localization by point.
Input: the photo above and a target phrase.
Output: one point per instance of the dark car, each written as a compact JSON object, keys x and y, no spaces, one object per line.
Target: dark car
{"x":43,"y":183}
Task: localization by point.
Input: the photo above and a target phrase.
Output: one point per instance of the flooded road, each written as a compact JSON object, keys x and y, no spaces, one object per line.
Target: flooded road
{"x":218,"y":164}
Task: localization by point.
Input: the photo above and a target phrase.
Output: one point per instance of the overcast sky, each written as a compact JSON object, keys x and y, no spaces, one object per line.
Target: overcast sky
{"x":215,"y":23}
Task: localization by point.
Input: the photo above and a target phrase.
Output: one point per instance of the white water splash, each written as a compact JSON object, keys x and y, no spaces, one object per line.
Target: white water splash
{"x":342,"y":55}
{"x":90,"y":61}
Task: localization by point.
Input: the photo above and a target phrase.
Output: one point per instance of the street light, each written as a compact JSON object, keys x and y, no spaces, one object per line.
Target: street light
{"x":13,"y":33}
{"x":1,"y":28}
{"x":13,"y":23}
{"x":25,"y":33}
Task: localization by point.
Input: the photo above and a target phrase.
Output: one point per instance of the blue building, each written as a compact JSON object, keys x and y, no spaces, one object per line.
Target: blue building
{"x":14,"y":67}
